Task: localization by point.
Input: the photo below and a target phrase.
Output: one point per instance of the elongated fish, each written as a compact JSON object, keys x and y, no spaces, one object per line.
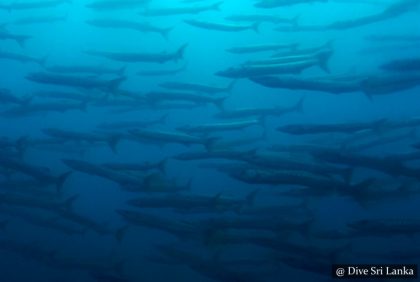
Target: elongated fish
{"x":161,"y":57}
{"x":221,"y":126}
{"x":126,"y":24}
{"x":30,"y":5}
{"x":262,"y":18}
{"x":222,"y":26}
{"x":40,"y":20}
{"x":261,"y":48}
{"x":103,"y":5}
{"x":162,"y":72}
{"x":181,"y":10}
{"x":268,"y":4}
{"x":89,"y":69}
{"x":208,"y":89}
{"x":75,"y":81}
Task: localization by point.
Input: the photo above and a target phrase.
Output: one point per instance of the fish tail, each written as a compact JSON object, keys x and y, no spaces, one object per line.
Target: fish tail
{"x":61,"y":179}
{"x":165,"y":32}
{"x":68,"y":204}
{"x":115,"y":83}
{"x":180,"y":53}
{"x":120,"y":233}
{"x":21,"y":40}
{"x":323,"y":59}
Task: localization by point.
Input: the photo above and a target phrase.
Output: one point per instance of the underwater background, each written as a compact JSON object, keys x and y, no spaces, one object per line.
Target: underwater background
{"x":153,"y":140}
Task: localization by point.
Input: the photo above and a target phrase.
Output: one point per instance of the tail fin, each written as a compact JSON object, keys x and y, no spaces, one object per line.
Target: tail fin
{"x":229,"y":88}
{"x":165,"y":32}
{"x":179,"y":55}
{"x":61,"y":179}
{"x":120,"y":233}
{"x":113,"y":142}
{"x":295,"y":21}
{"x":21,"y":40}
{"x":114,"y":84}
{"x":41,"y":61}
{"x":21,"y":145}
{"x":347,"y":174}
{"x":68,"y":204}
{"x":256,"y":27}
{"x":121,"y":71}
{"x":219,"y":103}
{"x":299,"y":106}
{"x":209,"y":143}
{"x":250,"y":198}
{"x":323,"y":58}
{"x":216,"y":6}
{"x":162,"y":165}
{"x":163,"y":119}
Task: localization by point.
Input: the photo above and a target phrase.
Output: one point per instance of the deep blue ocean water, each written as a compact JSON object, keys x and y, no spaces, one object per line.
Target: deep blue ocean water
{"x":32,"y":250}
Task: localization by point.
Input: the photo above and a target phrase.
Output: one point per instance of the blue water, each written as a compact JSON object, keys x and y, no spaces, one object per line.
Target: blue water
{"x":66,"y":43}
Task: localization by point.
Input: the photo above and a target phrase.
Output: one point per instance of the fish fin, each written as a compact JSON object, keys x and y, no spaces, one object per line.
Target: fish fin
{"x":295,"y":21}
{"x":216,"y":6}
{"x":256,"y":27}
{"x":21,"y":40}
{"x":323,"y":58}
{"x":119,"y":266}
{"x":298,"y":107}
{"x":219,"y":102}
{"x":347,"y":174}
{"x":43,"y":60}
{"x":162,"y":165}
{"x":120,"y":233}
{"x":229,"y":88}
{"x":114,"y":84}
{"x":209,"y":143}
{"x":250,"y":198}
{"x":113,"y":142}
{"x":21,"y":145}
{"x":61,"y":179}
{"x":165,"y":32}
{"x":179,"y":55}
{"x":68,"y":204}
{"x":122,"y":70}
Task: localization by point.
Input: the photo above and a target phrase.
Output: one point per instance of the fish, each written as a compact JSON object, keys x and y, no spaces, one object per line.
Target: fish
{"x":251,"y":71}
{"x":193,"y":203}
{"x":221,"y":126}
{"x":40,"y":4}
{"x":261,"y":48}
{"x":327,"y":85}
{"x":88,"y":69}
{"x":5,"y":55}
{"x":68,"y":135}
{"x":195,"y":87}
{"x":38,"y":173}
{"x":323,"y":57}
{"x":268,"y":4}
{"x":274,"y":19}
{"x":6,"y":97}
{"x":261,"y":112}
{"x":144,"y":27}
{"x":75,"y":81}
{"x":36,"y":108}
{"x":222,"y":26}
{"x":161,"y":57}
{"x":109,"y":5}
{"x":123,"y":125}
{"x":402,"y":65}
{"x":162,"y":72}
{"x":154,"y":97}
{"x":171,"y":137}
{"x":347,"y":128}
{"x":159,"y":12}
{"x":132,"y":167}
{"x":19,"y":39}
{"x":39,"y":20}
